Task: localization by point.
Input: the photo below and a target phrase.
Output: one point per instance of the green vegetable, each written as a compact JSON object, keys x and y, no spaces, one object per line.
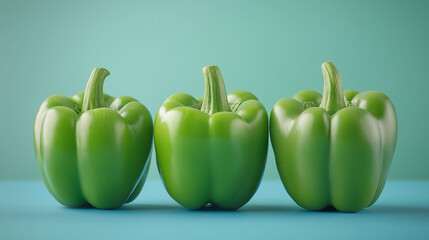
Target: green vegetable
{"x":93,"y":148}
{"x":213,"y":150}
{"x":334,"y":150}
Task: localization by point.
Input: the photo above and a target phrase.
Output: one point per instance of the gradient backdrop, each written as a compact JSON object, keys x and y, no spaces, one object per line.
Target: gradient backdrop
{"x":156,"y":48}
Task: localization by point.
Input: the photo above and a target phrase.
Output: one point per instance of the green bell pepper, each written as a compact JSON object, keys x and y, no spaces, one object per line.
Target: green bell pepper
{"x":212,"y":150}
{"x":93,"y":148}
{"x":334,"y":150}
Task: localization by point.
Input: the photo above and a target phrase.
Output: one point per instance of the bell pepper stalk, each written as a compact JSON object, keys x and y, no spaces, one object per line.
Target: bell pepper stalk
{"x":92,"y":148}
{"x":211,"y":150}
{"x":334,"y":150}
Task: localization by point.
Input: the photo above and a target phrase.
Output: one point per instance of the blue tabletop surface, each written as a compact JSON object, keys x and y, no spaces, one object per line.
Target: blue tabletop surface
{"x":27,"y":211}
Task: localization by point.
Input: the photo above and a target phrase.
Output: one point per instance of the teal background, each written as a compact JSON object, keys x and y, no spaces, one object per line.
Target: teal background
{"x":156,"y":48}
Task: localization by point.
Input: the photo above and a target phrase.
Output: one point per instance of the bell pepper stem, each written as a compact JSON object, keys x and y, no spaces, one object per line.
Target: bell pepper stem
{"x":333,"y":97}
{"x":94,"y":97}
{"x":215,"y":98}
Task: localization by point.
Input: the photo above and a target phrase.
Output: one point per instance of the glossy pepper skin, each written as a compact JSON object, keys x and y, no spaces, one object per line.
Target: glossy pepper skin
{"x":334,"y":150}
{"x":212,"y":150}
{"x":93,"y":148}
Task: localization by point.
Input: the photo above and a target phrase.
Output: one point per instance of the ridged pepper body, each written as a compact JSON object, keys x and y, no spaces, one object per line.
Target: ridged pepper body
{"x":97,"y":155}
{"x":334,"y":156}
{"x":206,"y":156}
